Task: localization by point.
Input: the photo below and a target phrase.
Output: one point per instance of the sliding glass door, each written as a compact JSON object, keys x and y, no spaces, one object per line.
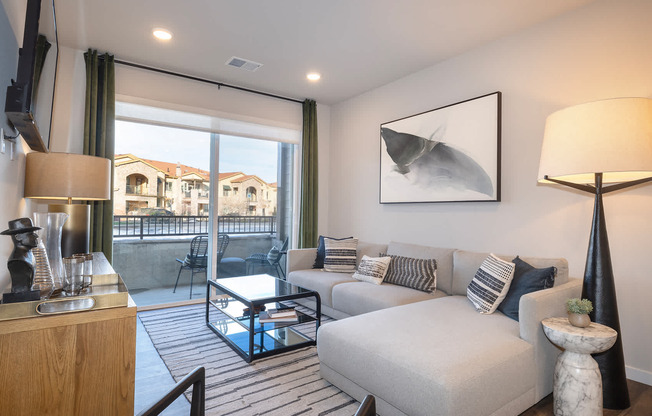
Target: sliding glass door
{"x":193,"y":202}
{"x":161,"y":216}
{"x":254,"y":204}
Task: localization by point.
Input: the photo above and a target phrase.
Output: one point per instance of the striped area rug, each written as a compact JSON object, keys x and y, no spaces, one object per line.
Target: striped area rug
{"x":283,"y":385}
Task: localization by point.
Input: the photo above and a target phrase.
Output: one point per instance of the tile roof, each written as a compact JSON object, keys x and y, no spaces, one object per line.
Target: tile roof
{"x":170,"y":169}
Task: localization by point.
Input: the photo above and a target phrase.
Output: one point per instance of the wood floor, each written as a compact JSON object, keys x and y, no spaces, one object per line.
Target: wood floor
{"x":640,"y":396}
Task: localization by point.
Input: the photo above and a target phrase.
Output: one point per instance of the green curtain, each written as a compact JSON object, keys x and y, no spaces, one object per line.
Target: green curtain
{"x":99,"y":140}
{"x":308,"y":219}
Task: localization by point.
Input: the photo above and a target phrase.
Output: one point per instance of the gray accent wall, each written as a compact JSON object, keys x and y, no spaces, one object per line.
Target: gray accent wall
{"x":12,"y":172}
{"x":598,"y":51}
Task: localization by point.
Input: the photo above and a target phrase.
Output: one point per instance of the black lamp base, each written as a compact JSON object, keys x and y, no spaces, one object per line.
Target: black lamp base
{"x":600,"y":289}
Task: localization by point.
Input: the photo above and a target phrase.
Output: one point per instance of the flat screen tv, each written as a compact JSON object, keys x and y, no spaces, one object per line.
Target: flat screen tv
{"x":30,"y":98}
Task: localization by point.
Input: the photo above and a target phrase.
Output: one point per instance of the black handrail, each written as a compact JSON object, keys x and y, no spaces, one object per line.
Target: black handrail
{"x":367,"y":407}
{"x":173,"y":225}
{"x":196,"y":379}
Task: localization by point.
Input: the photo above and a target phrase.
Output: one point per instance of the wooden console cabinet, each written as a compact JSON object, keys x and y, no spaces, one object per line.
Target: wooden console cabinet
{"x":80,"y":363}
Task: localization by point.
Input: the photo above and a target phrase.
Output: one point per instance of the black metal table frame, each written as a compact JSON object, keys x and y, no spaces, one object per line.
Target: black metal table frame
{"x":252,"y":318}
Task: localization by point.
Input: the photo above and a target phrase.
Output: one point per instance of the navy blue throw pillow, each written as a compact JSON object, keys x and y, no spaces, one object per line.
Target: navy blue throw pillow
{"x":321,"y":251}
{"x":527,"y":279}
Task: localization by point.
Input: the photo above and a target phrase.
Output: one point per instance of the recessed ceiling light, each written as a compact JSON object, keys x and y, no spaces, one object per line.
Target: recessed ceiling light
{"x":313,"y":76}
{"x":162,"y":34}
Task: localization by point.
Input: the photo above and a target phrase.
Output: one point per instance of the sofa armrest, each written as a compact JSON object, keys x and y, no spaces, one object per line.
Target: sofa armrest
{"x":535,"y":307}
{"x":301,"y":259}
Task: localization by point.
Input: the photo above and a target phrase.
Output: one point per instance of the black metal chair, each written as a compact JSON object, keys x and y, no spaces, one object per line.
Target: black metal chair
{"x":367,"y":407}
{"x":196,"y":379}
{"x":271,"y":259}
{"x":196,"y":260}
{"x":222,"y":244}
{"x":227,"y":266}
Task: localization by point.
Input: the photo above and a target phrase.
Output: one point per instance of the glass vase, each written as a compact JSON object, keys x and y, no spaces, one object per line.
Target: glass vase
{"x":51,"y":224}
{"x":43,"y":280}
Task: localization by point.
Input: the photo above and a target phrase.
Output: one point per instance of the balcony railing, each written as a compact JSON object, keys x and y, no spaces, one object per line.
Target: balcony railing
{"x":136,"y":190}
{"x":159,"y":226}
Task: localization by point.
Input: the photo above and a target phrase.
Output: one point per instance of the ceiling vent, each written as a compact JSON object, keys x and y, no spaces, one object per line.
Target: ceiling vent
{"x":245,"y":64}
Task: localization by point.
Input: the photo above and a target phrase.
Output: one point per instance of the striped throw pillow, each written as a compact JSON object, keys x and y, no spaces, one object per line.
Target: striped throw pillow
{"x":372,"y":269}
{"x":490,"y":284}
{"x":340,"y":255}
{"x":419,"y":274}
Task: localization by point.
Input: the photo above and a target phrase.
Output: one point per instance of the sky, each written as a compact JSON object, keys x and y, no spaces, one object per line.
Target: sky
{"x":192,"y":148}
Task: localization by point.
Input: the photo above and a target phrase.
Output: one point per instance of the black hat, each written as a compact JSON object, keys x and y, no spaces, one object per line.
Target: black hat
{"x":20,"y":226}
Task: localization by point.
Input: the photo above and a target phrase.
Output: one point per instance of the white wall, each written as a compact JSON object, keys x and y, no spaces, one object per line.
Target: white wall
{"x":12,"y":172}
{"x":599,"y":51}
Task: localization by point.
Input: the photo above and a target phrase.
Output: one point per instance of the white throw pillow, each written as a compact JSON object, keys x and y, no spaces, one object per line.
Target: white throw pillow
{"x":490,"y":284}
{"x":341,"y":255}
{"x":372,"y":269}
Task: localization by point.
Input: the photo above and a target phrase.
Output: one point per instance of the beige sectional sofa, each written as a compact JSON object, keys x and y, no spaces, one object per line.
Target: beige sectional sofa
{"x":434,"y":354}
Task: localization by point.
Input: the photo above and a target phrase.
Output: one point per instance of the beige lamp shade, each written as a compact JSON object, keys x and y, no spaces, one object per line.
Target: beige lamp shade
{"x":67,"y":176}
{"x":613,"y":137}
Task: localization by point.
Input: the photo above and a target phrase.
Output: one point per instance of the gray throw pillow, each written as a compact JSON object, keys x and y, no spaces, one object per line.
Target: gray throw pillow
{"x":419,"y":274}
{"x":272,"y":255}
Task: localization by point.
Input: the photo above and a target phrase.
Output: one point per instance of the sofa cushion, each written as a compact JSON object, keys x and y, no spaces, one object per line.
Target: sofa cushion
{"x":370,"y":249}
{"x":372,"y":269}
{"x":341,"y":255}
{"x":320,"y":281}
{"x":527,"y":279}
{"x":466,"y":263}
{"x":444,"y":257}
{"x":465,"y":364}
{"x":359,"y":298}
{"x":419,"y":274}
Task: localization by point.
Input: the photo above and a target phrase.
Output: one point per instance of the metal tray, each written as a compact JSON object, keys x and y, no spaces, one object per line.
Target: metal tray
{"x":107,"y":291}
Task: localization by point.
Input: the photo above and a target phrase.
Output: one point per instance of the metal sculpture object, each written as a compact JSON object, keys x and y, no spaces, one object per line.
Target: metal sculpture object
{"x":21,"y":261}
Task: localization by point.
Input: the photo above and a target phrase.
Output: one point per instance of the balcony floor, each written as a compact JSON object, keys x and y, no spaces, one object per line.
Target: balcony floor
{"x":164,"y":295}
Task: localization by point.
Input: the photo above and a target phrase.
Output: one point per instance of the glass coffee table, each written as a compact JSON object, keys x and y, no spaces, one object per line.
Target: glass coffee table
{"x":232,"y":306}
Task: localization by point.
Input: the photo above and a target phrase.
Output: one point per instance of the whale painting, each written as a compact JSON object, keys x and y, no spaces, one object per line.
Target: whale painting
{"x":451,"y":154}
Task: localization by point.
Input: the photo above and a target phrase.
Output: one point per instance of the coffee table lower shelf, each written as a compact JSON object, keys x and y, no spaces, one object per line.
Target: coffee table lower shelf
{"x":263,"y":343}
{"x":247,"y":336}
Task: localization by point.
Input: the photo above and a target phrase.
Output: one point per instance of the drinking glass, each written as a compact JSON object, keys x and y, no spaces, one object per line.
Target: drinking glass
{"x":73,"y":275}
{"x":87,"y":269}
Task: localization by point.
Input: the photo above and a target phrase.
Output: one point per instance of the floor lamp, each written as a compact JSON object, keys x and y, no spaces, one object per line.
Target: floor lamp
{"x":601,"y":147}
{"x":70,"y":177}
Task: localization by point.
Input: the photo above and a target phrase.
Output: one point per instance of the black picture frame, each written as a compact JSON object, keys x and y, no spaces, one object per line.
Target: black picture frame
{"x":448,"y":154}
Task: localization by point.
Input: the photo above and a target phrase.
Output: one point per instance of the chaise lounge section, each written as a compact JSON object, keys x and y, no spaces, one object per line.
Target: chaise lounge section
{"x":434,"y":354}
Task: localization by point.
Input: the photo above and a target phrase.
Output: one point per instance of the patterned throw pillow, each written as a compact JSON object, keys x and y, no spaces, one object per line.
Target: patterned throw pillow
{"x":490,"y":284}
{"x":419,"y":274}
{"x":372,"y":269}
{"x":340,"y":255}
{"x":321,"y":252}
{"x":272,"y":255}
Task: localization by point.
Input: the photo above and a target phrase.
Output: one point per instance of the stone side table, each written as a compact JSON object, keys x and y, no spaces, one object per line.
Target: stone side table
{"x":577,"y":381}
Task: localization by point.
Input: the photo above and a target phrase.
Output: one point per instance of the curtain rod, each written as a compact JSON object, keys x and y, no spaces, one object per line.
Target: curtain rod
{"x":208,"y":81}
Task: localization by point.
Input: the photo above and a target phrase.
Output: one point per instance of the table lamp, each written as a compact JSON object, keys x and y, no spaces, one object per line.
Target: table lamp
{"x":70,"y":177}
{"x":601,"y":147}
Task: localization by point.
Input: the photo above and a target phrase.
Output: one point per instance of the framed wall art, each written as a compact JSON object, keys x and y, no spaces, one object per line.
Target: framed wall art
{"x":449,"y":154}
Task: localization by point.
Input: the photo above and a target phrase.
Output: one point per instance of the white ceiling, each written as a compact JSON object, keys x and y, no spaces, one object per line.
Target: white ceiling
{"x":356,"y":45}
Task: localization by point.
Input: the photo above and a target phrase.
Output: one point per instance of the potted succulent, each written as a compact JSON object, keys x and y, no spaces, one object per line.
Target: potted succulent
{"x":578,"y":312}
